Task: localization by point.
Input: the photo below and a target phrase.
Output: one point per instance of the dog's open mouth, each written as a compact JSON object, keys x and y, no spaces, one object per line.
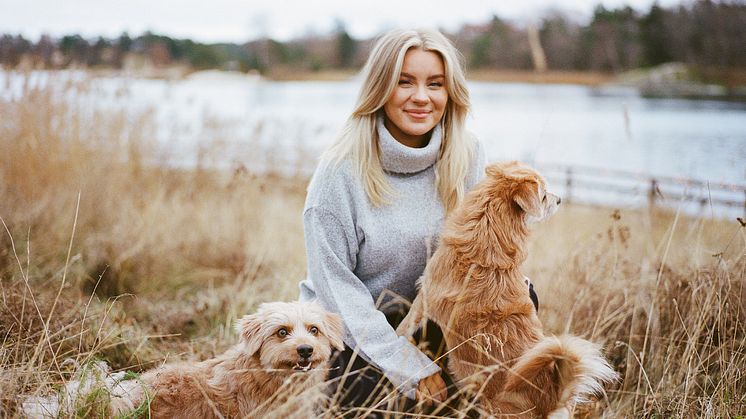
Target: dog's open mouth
{"x":303,"y":365}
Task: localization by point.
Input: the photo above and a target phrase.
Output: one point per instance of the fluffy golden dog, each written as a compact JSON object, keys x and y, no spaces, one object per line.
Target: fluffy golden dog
{"x":473,"y":289}
{"x":283,"y":350}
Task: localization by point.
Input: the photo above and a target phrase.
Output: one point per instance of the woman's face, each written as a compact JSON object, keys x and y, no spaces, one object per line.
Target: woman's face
{"x":419,"y":99}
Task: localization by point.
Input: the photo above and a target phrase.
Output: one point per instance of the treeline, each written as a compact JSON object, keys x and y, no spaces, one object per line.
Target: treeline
{"x":705,"y":34}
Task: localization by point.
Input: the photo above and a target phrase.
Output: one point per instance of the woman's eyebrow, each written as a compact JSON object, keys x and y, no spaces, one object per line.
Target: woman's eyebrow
{"x":435,"y":76}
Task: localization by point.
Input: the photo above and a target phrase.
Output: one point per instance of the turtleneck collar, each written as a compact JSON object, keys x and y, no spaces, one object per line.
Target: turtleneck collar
{"x":398,"y":158}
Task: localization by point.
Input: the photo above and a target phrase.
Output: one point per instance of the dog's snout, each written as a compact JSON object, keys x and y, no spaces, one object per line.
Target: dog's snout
{"x":305,"y":351}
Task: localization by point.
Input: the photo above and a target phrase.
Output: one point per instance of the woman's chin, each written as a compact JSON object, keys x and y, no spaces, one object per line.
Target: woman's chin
{"x":416,"y":130}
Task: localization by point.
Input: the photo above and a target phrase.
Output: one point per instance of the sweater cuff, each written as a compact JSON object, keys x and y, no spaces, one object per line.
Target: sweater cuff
{"x":410,"y":361}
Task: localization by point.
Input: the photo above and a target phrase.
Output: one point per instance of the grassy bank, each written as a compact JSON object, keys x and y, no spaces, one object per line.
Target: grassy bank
{"x":108,"y":257}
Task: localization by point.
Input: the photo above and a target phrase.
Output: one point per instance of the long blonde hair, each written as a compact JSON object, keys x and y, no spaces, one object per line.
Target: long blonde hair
{"x":358,"y":139}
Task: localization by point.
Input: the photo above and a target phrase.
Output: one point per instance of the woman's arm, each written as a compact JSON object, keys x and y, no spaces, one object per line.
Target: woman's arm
{"x":331,"y":248}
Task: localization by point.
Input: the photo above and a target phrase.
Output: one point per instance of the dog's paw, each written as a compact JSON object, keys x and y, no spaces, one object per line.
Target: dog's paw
{"x":406,"y":328}
{"x":402,"y":329}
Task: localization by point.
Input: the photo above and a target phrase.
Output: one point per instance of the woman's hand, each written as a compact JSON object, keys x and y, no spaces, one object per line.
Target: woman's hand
{"x":431,"y":389}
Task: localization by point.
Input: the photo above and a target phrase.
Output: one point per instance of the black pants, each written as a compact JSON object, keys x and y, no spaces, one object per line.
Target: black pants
{"x":359,"y":387}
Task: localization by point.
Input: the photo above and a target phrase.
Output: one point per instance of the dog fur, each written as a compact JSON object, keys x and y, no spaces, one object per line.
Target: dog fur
{"x":473,"y":289}
{"x":263,"y":375}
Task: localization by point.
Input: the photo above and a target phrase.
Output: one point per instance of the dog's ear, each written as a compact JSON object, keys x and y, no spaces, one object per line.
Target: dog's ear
{"x":526,"y":195}
{"x":250,"y":328}
{"x":492,"y":170}
{"x":497,"y":170}
{"x":334,"y":330}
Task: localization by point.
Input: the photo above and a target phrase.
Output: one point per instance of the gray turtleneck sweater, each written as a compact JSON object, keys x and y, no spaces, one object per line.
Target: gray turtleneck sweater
{"x":360,"y":255}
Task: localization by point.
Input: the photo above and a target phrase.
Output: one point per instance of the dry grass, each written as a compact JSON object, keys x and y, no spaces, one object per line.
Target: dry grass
{"x":666,"y":296}
{"x":162,"y":260}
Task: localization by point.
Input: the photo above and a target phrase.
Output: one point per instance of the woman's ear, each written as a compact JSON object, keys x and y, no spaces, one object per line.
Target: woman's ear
{"x":526,"y":195}
{"x":249,"y":327}
{"x":334,"y":330}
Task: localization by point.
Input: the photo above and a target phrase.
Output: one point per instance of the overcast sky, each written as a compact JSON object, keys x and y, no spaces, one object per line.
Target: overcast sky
{"x":238,"y":21}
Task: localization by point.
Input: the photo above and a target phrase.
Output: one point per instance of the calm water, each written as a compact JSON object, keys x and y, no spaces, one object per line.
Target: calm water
{"x":258,"y":123}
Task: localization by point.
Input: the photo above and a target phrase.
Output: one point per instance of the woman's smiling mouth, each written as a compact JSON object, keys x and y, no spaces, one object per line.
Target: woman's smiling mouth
{"x":417,"y":114}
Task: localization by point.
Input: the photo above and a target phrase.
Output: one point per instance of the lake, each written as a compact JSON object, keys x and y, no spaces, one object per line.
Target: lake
{"x":240,"y":120}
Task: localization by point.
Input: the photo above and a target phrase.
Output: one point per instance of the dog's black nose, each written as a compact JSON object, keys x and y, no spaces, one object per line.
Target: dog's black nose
{"x":305,"y":351}
{"x":559,"y":200}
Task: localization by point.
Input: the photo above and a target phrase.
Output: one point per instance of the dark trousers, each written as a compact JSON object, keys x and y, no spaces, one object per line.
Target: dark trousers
{"x":360,"y":388}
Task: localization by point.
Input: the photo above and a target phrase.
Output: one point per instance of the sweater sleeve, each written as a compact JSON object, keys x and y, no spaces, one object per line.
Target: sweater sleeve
{"x":331,"y":247}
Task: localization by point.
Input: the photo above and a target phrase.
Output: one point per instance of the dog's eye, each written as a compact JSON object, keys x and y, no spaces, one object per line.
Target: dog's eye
{"x":282,"y":332}
{"x":544,"y":199}
{"x":314,"y":330}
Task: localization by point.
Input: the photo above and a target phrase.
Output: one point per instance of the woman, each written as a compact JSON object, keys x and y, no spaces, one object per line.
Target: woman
{"x":377,"y":201}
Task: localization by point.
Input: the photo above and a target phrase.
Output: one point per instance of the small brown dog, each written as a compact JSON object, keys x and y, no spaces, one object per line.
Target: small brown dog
{"x":284,"y":350}
{"x":473,"y":289}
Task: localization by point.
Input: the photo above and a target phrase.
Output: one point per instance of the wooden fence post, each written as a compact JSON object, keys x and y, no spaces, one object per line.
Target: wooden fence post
{"x":651,"y":194}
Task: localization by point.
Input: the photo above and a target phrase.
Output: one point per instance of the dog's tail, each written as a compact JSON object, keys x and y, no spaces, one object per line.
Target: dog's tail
{"x":556,"y":373}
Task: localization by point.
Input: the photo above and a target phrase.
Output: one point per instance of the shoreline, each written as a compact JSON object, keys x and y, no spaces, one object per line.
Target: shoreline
{"x":585,"y":78}
{"x":648,"y":83}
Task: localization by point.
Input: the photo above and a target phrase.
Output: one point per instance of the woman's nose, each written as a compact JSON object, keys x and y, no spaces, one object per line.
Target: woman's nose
{"x":420,"y":94}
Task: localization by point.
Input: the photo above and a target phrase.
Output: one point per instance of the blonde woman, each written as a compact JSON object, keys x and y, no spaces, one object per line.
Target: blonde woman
{"x":376,"y":204}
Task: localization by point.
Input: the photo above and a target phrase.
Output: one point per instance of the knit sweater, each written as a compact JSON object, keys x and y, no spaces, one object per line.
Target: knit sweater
{"x":360,"y":255}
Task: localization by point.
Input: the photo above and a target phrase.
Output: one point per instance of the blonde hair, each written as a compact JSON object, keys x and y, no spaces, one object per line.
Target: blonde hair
{"x":358,"y":139}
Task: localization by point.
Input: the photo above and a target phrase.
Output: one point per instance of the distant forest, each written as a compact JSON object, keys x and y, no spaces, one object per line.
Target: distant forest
{"x":704,"y":34}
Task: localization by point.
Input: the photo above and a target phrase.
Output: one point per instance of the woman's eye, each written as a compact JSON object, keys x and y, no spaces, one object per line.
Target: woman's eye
{"x":282,"y":333}
{"x":403,"y":82}
{"x":314,"y":330}
{"x":436,"y":84}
